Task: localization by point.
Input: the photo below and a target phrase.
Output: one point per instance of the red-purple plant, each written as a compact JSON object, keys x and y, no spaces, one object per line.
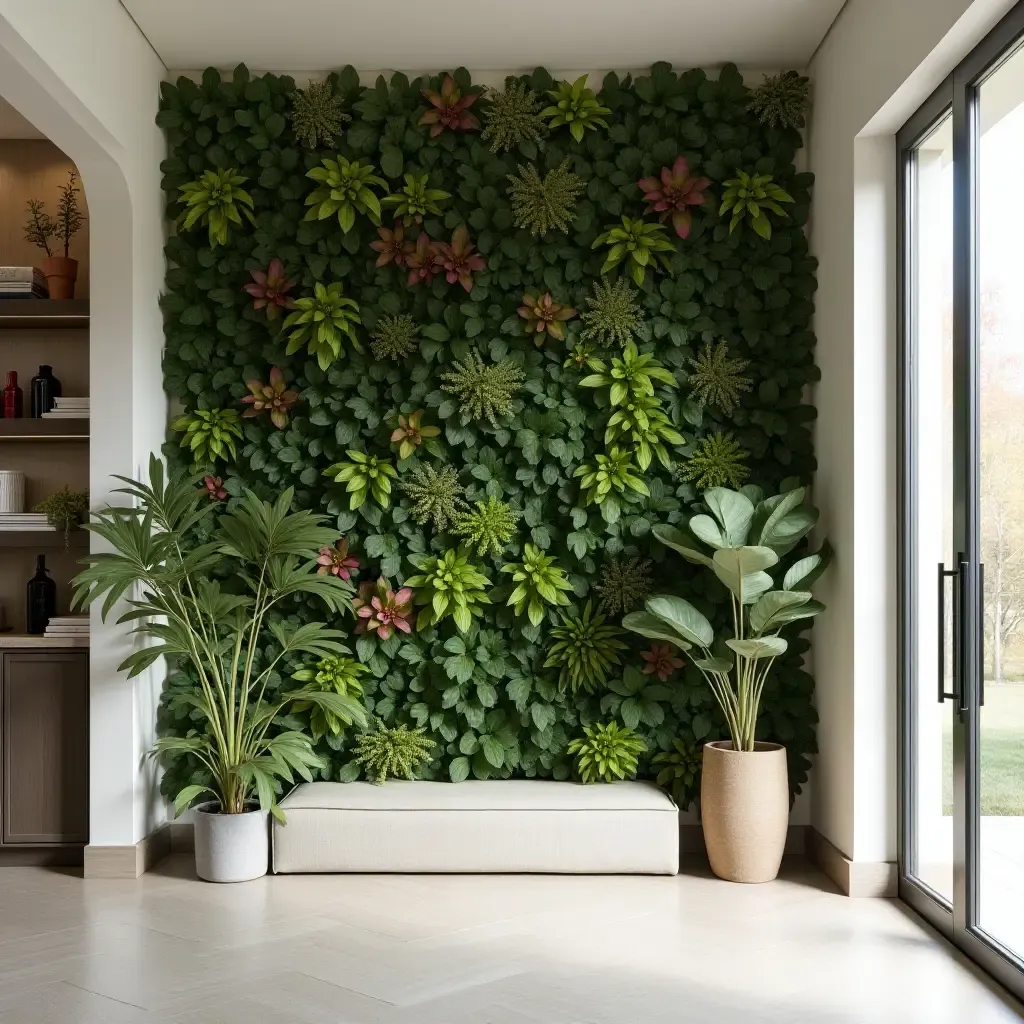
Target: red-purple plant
{"x":660,"y":661}
{"x":381,"y":610}
{"x":337,"y":561}
{"x":673,"y":194}
{"x":214,"y":488}
{"x":269,"y":289}
{"x":421,"y":261}
{"x":449,"y":109}
{"x":273,"y":396}
{"x":458,"y":259}
{"x":393,"y":246}
{"x":544,"y":316}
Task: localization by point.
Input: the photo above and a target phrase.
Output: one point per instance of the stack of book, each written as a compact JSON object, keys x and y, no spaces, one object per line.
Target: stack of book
{"x":22,"y":283}
{"x":68,"y":409}
{"x":24,"y":521}
{"x":68,"y":626}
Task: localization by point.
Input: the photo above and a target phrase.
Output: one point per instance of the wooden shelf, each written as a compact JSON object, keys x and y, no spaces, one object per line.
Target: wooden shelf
{"x":52,"y":538}
{"x":47,"y":314}
{"x":25,"y":640}
{"x":28,"y":429}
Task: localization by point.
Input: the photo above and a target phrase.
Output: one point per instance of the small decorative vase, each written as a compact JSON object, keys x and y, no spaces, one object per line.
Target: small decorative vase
{"x":60,"y":272}
{"x":41,"y":599}
{"x":744,"y":807}
{"x":44,"y":389}
{"x":12,"y":397}
{"x":12,"y":491}
{"x":231,"y":847}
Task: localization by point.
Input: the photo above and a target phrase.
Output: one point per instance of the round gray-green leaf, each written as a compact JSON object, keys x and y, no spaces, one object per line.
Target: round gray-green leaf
{"x":682,"y":617}
{"x":765,"y":647}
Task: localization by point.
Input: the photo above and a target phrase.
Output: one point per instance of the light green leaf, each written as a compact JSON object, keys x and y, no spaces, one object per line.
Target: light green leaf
{"x":683,"y":618}
{"x":765,"y":647}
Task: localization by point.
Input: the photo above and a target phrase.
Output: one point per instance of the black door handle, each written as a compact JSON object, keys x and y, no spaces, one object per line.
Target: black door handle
{"x":981,"y":634}
{"x":961,"y":651}
{"x":943,"y":573}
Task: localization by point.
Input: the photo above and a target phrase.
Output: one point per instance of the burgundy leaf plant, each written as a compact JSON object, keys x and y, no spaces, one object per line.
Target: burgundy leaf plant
{"x":269,"y":289}
{"x":673,"y":194}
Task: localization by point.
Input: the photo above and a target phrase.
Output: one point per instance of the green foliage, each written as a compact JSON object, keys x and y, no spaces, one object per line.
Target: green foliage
{"x":217,"y":201}
{"x":393,"y":753}
{"x":544,"y":316}
{"x":317,"y":114}
{"x":609,"y":477}
{"x":716,"y":379}
{"x":576,"y":106}
{"x":644,"y":428}
{"x":606,"y":752}
{"x":437,"y":496}
{"x":717,"y":460}
{"x":394,"y":337}
{"x":629,"y":376}
{"x":364,"y":474}
{"x":544,"y":204}
{"x":319,"y":321}
{"x":679,"y":771}
{"x":210,"y":434}
{"x":782,"y":100}
{"x":640,"y":243}
{"x":65,"y":510}
{"x":623,"y":585}
{"x":333,"y":674}
{"x":512,"y":117}
{"x":490,"y":526}
{"x":448,"y":584}
{"x":416,"y":199}
{"x":748,"y":196}
{"x":585,"y":651}
{"x":41,"y":227}
{"x":613,"y":316}
{"x":484,"y":390}
{"x":539,"y":581}
{"x":344,"y":190}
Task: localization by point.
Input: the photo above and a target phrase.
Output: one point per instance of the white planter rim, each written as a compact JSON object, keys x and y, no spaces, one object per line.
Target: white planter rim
{"x":760,"y":747}
{"x":212,"y":807}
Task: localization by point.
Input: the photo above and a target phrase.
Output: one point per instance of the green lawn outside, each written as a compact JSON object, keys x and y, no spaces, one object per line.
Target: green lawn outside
{"x":1002,"y":752}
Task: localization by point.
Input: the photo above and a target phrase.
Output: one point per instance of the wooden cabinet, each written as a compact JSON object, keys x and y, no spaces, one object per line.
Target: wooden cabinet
{"x":44,"y":747}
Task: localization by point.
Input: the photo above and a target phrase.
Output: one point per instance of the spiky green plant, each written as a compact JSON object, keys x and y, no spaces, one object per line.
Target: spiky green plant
{"x":394,"y":337}
{"x":393,"y":753}
{"x":317,"y":116}
{"x":344,"y":190}
{"x":484,"y":389}
{"x":643,"y":427}
{"x":679,"y":771}
{"x":585,"y":651}
{"x":782,"y":100}
{"x":544,"y":204}
{"x":628,"y":376}
{"x":716,"y":379}
{"x":217,"y":200}
{"x":448,"y":584}
{"x":606,"y":752}
{"x":623,"y":585}
{"x":415,"y":198}
{"x":512,"y":116}
{"x":612,"y":316}
{"x":333,"y":674}
{"x":576,"y":106}
{"x":489,"y":527}
{"x":540,"y":581}
{"x":748,"y":196}
{"x":717,"y":460}
{"x":437,"y":496}
{"x":319,"y":322}
{"x":640,"y":243}
{"x":362,"y":475}
{"x":210,"y":434}
{"x":608,"y":476}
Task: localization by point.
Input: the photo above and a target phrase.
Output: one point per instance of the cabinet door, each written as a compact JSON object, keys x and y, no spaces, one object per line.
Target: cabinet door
{"x":44,"y":746}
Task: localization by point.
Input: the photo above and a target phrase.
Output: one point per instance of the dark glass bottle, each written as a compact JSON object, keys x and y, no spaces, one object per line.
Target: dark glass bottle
{"x":45,"y":388}
{"x":12,"y":398}
{"x":42,"y":598}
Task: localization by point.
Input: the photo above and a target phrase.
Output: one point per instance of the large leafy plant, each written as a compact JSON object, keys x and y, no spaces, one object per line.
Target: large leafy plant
{"x":448,"y":584}
{"x":638,"y":243}
{"x":321,"y":321}
{"x":209,"y":604}
{"x":744,"y":535}
{"x":217,"y":200}
{"x":345,"y":189}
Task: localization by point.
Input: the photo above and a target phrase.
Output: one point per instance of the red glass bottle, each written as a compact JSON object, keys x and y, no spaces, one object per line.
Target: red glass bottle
{"x":12,"y":397}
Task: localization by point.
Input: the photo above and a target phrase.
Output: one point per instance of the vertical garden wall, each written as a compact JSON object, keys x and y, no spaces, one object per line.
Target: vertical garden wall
{"x":512,"y":330}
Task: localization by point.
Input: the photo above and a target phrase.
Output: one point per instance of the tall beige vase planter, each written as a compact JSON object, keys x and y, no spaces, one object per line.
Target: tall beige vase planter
{"x":744,"y":806}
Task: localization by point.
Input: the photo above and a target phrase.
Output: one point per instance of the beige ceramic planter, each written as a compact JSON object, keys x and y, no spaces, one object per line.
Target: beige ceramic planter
{"x":744,"y":804}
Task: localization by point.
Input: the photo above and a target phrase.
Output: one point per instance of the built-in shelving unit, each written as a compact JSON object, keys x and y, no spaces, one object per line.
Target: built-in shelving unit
{"x":52,"y":538}
{"x":44,"y":314}
{"x":44,"y":430}
{"x":24,"y":641}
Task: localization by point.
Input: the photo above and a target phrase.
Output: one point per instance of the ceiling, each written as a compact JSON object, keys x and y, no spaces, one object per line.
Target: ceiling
{"x":484,"y":35}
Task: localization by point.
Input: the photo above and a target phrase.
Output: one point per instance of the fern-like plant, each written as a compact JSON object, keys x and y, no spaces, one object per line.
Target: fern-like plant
{"x":716,"y":379}
{"x":623,"y":585}
{"x":394,"y":337}
{"x":540,"y":582}
{"x":392,"y":753}
{"x":448,"y":584}
{"x":345,"y":189}
{"x":437,"y":496}
{"x":65,"y":510}
{"x":210,"y":434}
{"x":781,"y":100}
{"x":364,"y":475}
{"x":333,"y":674}
{"x":585,"y":651}
{"x":612,"y":315}
{"x":216,"y":200}
{"x":320,"y":322}
{"x":512,"y":117}
{"x":606,"y":752}
{"x":544,"y":204}
{"x":484,"y":389}
{"x":490,"y":526}
{"x":317,"y":116}
{"x":717,"y":460}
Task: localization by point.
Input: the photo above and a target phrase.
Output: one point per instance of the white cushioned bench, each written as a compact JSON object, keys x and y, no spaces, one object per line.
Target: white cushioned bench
{"x":516,"y":825}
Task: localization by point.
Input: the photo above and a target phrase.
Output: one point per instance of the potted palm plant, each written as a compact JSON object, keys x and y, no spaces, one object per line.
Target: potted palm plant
{"x":744,"y":781}
{"x":207,"y":596}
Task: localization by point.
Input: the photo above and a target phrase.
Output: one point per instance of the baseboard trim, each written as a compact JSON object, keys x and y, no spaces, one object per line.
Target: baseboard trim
{"x":127,"y":861}
{"x":41,"y":857}
{"x":858,"y":879}
{"x":691,"y":839}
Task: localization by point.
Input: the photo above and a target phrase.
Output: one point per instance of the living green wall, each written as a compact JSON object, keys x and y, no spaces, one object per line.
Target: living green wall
{"x":485,"y":695}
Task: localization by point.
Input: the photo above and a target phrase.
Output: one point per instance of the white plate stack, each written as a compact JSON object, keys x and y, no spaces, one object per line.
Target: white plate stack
{"x":24,"y":521}
{"x":68,"y":409}
{"x":68,"y":626}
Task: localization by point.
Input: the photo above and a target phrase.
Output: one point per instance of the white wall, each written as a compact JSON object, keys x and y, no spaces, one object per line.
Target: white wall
{"x":879,"y":62}
{"x":85,"y":76}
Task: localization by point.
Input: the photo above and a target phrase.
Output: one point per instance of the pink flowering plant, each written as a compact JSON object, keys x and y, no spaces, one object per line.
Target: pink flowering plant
{"x":673,"y":194}
{"x":382,"y":610}
{"x":337,"y":561}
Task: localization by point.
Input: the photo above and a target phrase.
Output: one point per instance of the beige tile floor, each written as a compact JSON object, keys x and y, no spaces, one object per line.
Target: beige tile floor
{"x":470,"y":950}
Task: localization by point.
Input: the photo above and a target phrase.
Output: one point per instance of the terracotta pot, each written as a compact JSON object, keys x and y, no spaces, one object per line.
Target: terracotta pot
{"x":231,"y":847}
{"x":744,"y":805}
{"x":61,"y":273}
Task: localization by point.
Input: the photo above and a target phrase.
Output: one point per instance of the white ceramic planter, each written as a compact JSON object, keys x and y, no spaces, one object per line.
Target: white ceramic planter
{"x":12,"y":491}
{"x":230,"y":847}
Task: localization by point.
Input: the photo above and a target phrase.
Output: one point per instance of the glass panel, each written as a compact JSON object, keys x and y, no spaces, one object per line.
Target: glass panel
{"x":931,"y":478}
{"x":1001,"y":375}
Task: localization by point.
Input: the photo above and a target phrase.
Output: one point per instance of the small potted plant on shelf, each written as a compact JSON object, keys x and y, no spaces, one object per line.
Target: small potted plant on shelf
{"x":744,"y":782}
{"x":208,"y":583}
{"x":60,"y":272}
{"x":65,"y":510}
